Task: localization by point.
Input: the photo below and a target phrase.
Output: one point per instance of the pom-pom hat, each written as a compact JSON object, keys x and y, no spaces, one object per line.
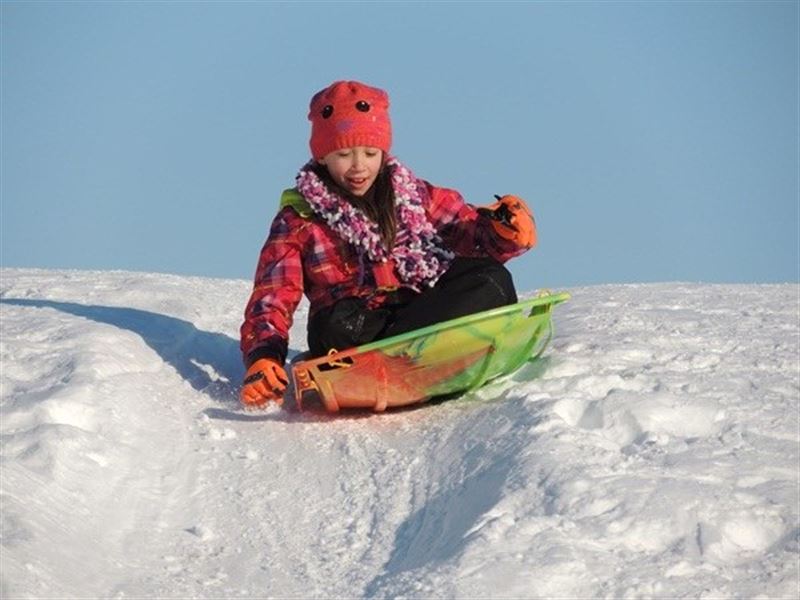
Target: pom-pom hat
{"x":347,"y":114}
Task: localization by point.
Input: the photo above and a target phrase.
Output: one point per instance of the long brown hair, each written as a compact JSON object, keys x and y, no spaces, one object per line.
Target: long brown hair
{"x":378,"y":203}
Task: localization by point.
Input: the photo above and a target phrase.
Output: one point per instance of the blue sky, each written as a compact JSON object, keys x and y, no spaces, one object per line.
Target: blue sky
{"x":654,"y":141}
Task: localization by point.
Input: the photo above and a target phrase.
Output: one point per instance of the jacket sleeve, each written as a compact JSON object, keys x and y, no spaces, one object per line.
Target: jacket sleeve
{"x":277,"y":290}
{"x":464,"y":229}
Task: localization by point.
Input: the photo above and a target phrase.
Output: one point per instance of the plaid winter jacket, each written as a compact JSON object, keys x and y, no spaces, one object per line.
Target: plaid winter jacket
{"x":303,"y":255}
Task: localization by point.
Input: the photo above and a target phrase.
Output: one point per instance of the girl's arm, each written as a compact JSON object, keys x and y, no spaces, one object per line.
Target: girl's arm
{"x":465,"y":230}
{"x":277,"y":290}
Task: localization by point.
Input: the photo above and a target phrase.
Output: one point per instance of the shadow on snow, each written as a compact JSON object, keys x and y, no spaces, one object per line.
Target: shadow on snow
{"x":209,"y":362}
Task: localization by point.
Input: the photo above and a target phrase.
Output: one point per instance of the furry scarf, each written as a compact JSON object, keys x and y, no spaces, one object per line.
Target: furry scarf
{"x":419,"y":252}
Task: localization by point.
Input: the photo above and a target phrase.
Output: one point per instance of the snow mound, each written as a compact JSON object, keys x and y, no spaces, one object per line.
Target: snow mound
{"x":652,"y":452}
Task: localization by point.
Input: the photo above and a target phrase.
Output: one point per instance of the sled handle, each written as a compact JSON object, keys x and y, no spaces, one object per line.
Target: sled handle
{"x":548,"y":339}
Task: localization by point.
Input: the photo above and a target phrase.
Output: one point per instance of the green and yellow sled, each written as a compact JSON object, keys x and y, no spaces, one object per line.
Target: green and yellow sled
{"x":446,"y":358}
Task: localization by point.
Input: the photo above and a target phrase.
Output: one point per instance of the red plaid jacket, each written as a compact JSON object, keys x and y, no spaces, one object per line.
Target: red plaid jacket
{"x":303,"y":255}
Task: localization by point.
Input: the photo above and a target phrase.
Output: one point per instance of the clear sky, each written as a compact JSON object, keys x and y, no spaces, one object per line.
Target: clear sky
{"x":654,"y":141}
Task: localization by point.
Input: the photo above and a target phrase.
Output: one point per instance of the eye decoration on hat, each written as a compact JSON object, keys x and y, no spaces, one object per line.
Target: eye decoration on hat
{"x":362,"y":106}
{"x":327,"y":111}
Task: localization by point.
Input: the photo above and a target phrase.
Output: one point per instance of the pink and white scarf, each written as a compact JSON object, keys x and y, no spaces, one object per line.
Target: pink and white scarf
{"x":418,"y":252}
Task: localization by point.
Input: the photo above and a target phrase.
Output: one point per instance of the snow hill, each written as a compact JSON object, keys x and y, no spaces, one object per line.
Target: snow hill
{"x":653,"y":452}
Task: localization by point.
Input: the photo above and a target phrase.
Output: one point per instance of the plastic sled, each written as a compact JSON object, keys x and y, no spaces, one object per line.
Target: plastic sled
{"x":447,"y":358}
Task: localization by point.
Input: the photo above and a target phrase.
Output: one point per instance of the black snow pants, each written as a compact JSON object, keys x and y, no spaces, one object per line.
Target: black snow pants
{"x":470,"y":285}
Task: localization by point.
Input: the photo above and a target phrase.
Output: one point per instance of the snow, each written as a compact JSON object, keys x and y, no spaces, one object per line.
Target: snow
{"x":653,"y":452}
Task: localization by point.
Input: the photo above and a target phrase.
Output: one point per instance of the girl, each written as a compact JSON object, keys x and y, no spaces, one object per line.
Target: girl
{"x":377,"y":251}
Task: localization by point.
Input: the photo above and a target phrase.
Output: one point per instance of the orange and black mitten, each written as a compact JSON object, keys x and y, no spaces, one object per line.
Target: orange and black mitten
{"x":265,"y":381}
{"x":512,"y":220}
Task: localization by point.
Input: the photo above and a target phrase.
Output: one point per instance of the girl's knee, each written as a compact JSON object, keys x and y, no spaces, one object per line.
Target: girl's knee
{"x":499,"y":278}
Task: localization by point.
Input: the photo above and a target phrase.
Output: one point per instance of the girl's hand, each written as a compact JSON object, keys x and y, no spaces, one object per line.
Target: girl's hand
{"x":512,"y":220}
{"x":265,"y":381}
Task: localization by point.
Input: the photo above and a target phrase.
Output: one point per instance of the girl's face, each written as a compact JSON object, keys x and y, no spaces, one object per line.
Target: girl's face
{"x":355,"y":169}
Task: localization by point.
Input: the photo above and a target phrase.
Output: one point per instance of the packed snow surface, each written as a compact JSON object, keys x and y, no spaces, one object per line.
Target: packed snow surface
{"x":652,"y":452}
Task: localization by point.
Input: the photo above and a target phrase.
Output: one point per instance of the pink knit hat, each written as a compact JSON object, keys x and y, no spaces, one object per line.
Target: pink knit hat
{"x":347,"y":114}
